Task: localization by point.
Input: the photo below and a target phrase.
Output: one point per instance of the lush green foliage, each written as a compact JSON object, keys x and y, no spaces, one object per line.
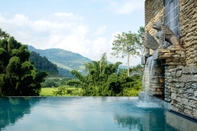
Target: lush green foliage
{"x":18,"y":77}
{"x":67,"y":91}
{"x":105,"y":79}
{"x":55,"y":81}
{"x":43,"y":64}
{"x":116,"y":84}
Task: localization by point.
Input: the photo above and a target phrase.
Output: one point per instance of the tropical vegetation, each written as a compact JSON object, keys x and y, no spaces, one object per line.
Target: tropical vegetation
{"x":105,"y":79}
{"x":23,"y":73}
{"x":18,"y":76}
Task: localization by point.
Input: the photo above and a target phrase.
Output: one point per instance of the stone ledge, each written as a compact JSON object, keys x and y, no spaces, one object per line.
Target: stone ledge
{"x":180,"y":121}
{"x":172,"y":56}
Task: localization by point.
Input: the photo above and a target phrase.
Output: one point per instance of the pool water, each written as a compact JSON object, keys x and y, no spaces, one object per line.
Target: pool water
{"x":81,"y":114}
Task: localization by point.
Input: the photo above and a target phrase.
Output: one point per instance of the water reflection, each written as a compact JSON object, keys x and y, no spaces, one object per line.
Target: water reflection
{"x":13,"y":109}
{"x":133,"y":123}
{"x":80,"y":114}
{"x":151,"y":121}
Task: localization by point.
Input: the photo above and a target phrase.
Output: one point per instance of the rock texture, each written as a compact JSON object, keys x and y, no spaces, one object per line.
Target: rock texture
{"x":154,"y":10}
{"x":180,"y":70}
{"x":188,"y":29}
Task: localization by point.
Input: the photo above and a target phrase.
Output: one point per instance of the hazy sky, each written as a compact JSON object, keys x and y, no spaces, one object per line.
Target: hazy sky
{"x":86,"y":27}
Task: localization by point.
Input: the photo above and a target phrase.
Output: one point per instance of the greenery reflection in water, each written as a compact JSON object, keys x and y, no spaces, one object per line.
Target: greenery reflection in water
{"x":129,"y":121}
{"x":14,"y":108}
{"x":152,"y":120}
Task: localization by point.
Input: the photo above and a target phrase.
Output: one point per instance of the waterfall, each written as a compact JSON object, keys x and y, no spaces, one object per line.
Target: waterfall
{"x":152,"y":80}
{"x":149,"y":72}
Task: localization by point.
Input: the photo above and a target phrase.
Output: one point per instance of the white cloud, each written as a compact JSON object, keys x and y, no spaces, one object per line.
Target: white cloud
{"x":59,"y":30}
{"x":45,"y":32}
{"x":126,"y":6}
{"x":100,"y":31}
{"x":41,"y":25}
{"x":65,"y":31}
{"x":19,"y":19}
{"x":2,"y":19}
{"x":99,"y":46}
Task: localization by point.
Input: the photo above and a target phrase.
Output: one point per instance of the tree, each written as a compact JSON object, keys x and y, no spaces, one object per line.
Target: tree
{"x":101,"y":78}
{"x":3,"y":34}
{"x":140,"y":46}
{"x":18,"y":76}
{"x":125,"y":44}
{"x":105,"y":79}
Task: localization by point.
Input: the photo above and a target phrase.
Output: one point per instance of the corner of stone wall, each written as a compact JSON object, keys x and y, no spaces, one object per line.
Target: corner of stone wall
{"x":184,"y":91}
{"x":179,"y":65}
{"x":188,"y":29}
{"x":180,"y":81}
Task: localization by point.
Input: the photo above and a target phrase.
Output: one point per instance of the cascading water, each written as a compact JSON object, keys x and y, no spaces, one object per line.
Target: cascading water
{"x":148,"y":81}
{"x":149,"y":71}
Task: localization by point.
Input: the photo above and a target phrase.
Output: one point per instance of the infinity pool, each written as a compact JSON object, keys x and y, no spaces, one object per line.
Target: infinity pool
{"x":81,"y":114}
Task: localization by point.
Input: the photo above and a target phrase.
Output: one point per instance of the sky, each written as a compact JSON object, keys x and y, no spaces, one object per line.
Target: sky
{"x":86,"y":27}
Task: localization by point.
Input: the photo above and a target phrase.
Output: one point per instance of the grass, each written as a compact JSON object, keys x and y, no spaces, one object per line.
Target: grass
{"x":47,"y":91}
{"x":70,"y":92}
{"x":77,"y":92}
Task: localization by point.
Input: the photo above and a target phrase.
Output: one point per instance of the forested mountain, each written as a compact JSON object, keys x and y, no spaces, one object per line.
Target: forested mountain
{"x":65,"y":60}
{"x":43,"y":64}
{"x":64,"y":72}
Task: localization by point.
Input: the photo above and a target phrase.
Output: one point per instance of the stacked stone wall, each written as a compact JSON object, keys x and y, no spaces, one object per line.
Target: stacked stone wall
{"x":180,"y":81}
{"x":188,"y":29}
{"x":180,"y":66}
{"x":153,"y":12}
{"x":173,"y":60}
{"x":183,"y":88}
{"x":183,"y":85}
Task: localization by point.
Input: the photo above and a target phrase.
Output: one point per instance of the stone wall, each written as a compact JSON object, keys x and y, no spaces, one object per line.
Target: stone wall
{"x":153,"y":11}
{"x":184,"y":82}
{"x":180,"y":81}
{"x":188,"y":29}
{"x":184,"y":90}
{"x":180,"y":65}
{"x":173,"y":60}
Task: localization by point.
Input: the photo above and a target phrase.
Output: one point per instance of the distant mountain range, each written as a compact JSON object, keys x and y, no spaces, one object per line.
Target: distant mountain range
{"x":65,"y":60}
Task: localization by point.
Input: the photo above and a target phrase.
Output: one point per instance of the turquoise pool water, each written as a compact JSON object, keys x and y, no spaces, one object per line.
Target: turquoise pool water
{"x":81,"y":114}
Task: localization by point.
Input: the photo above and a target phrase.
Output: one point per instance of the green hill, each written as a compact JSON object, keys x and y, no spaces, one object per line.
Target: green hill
{"x":63,"y":59}
{"x":43,"y":64}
